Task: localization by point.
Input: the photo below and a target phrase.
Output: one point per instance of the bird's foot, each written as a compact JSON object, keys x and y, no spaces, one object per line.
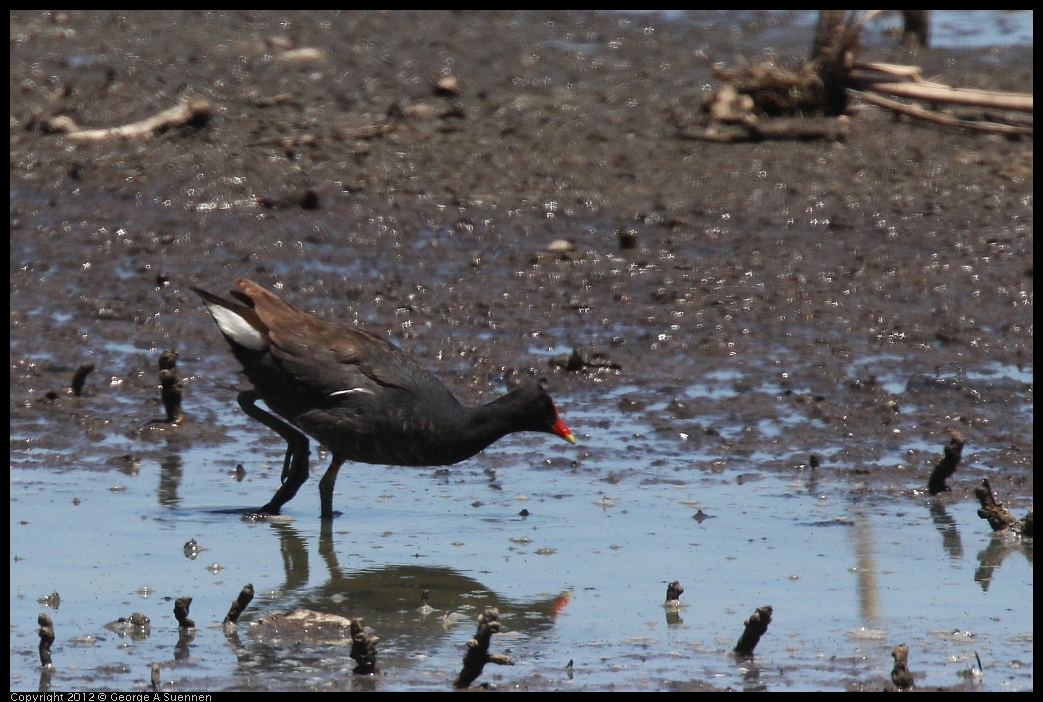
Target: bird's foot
{"x":262,"y":514}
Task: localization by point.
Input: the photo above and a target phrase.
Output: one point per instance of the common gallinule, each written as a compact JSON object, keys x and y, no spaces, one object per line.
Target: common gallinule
{"x":359,"y":395}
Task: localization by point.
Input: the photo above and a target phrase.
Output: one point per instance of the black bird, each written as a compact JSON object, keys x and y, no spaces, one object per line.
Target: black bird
{"x":357,"y":394}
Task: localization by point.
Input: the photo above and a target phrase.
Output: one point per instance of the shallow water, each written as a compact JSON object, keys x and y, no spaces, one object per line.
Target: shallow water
{"x":582,"y":577}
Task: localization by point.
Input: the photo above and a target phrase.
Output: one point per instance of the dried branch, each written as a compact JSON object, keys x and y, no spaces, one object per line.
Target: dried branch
{"x":478,"y":649}
{"x":193,"y":112}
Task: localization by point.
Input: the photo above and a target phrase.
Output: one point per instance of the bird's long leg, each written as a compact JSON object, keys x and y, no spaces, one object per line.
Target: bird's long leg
{"x":326,"y":489}
{"x":295,"y":464}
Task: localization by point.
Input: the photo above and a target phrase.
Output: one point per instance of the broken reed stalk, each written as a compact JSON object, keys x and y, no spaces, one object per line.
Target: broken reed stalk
{"x":674,"y":592}
{"x":998,"y":516}
{"x":240,"y":603}
{"x":171,"y":386}
{"x":46,"y":639}
{"x":478,"y":649}
{"x":181,"y":607}
{"x":363,"y":649}
{"x":900,"y":674}
{"x":80,"y":377}
{"x":756,"y":627}
{"x":947,"y":466}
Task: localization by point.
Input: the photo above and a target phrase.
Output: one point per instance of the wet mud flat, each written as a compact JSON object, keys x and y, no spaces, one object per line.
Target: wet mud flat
{"x":751,"y":305}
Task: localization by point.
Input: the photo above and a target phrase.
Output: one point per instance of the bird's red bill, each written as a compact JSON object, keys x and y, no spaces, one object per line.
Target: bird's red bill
{"x":561,"y":430}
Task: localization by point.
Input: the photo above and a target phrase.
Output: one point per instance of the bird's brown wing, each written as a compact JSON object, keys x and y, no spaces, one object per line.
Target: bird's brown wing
{"x":325,"y":357}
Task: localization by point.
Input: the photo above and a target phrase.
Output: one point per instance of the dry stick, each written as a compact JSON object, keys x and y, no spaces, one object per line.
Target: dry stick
{"x":363,"y":649}
{"x":928,"y":91}
{"x":478,"y":649}
{"x":239,"y":604}
{"x":939,"y":92}
{"x":928,"y":115}
{"x":756,"y":627}
{"x":894,"y":69}
{"x":194,"y":110}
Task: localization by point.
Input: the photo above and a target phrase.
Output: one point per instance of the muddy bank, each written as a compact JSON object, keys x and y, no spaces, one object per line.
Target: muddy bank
{"x":376,"y":195}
